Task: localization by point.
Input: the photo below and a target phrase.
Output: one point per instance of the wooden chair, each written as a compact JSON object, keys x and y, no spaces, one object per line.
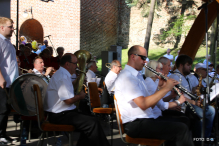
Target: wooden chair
{"x":95,"y":104}
{"x":44,"y":125}
{"x":128,"y":139}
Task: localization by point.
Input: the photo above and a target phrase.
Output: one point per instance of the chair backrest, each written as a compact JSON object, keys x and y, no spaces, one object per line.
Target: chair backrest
{"x":39,"y":104}
{"x":93,"y":95}
{"x":119,"y":120}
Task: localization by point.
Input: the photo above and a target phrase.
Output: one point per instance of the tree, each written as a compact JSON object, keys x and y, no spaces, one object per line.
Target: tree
{"x":149,"y":25}
{"x":213,"y":41}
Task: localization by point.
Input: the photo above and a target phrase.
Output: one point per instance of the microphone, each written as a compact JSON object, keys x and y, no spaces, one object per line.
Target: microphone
{"x":47,"y":36}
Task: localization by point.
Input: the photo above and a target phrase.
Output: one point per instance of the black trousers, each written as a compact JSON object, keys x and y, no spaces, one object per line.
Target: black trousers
{"x":175,"y":132}
{"x":4,"y":112}
{"x":91,"y":131}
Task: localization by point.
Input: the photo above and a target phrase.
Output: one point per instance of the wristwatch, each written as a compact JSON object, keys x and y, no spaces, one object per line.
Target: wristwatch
{"x":177,"y":102}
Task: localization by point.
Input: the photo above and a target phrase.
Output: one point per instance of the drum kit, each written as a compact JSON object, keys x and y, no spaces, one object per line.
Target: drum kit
{"x":21,"y":95}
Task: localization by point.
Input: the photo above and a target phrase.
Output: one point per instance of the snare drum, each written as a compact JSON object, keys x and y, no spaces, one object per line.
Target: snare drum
{"x":22,"y":96}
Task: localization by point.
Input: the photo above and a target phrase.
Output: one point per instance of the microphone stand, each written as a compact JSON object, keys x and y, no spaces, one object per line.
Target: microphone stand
{"x":205,"y":6}
{"x":52,"y":44}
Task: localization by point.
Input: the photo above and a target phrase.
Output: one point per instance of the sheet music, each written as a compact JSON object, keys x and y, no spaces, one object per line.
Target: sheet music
{"x":214,"y":93}
{"x":97,"y":80}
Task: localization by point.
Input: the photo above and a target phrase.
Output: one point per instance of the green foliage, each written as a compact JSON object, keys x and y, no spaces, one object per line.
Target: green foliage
{"x":178,"y":27}
{"x":141,"y":4}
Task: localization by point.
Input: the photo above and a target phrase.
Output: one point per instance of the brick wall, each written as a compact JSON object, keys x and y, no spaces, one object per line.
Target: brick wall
{"x":99,"y":21}
{"x":60,"y":19}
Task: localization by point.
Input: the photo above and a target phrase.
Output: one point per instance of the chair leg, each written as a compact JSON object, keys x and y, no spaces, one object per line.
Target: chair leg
{"x":39,"y":142}
{"x":21,"y":130}
{"x":111,"y":129}
{"x":70,"y":139}
{"x":47,"y":138}
{"x":54,"y":133}
{"x":29,"y":133}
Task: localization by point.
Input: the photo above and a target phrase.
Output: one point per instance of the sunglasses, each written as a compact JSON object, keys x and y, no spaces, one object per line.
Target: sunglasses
{"x":142,"y":57}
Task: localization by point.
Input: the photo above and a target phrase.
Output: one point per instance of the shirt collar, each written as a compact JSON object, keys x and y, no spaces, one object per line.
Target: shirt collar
{"x":1,"y":36}
{"x":91,"y":71}
{"x":65,"y":71}
{"x":37,"y":72}
{"x":133,"y":71}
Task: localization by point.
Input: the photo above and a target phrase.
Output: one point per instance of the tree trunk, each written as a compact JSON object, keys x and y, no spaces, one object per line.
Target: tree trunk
{"x":213,"y":41}
{"x":149,"y":25}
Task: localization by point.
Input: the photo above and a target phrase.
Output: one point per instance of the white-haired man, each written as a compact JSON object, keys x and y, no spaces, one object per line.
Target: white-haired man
{"x":168,"y":55}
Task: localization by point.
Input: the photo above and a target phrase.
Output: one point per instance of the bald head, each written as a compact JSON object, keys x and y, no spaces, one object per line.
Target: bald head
{"x":134,"y":50}
{"x":137,"y":57}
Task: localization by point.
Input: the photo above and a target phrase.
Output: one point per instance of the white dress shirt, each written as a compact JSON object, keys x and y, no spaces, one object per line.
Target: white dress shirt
{"x":128,"y":86}
{"x":60,"y":88}
{"x":186,"y":84}
{"x":110,"y":81}
{"x":152,"y":88}
{"x":90,"y":76}
{"x":8,"y":61}
{"x":176,"y":57}
{"x":168,"y":56}
{"x":38,"y":73}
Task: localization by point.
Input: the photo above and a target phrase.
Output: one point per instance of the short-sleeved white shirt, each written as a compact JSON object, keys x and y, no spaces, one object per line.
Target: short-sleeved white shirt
{"x":60,"y":88}
{"x":90,"y":75}
{"x":186,"y":84}
{"x":8,"y":61}
{"x":128,"y":86}
{"x":170,"y":57}
{"x":152,"y":87}
{"x":110,"y":81}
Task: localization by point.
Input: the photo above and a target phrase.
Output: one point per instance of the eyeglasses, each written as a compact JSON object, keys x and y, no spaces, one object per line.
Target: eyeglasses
{"x":142,"y":57}
{"x":11,"y":27}
{"x":73,"y":62}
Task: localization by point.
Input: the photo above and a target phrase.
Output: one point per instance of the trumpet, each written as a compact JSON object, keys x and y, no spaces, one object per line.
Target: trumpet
{"x":108,"y":65}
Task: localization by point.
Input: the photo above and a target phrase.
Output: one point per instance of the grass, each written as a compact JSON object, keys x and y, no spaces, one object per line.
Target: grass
{"x":155,"y":54}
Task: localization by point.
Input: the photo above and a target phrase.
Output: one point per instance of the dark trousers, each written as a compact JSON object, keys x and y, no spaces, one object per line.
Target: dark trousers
{"x":4,"y":112}
{"x":91,"y":131}
{"x":172,"y":130}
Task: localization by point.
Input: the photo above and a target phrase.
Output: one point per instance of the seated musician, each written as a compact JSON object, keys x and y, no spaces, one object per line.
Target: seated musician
{"x":59,"y":103}
{"x":112,"y":75}
{"x":91,"y":76}
{"x":20,"y":70}
{"x":107,"y":97}
{"x":183,"y":65}
{"x":216,"y":77}
{"x":45,"y":55}
{"x":136,"y":105}
{"x":38,"y":64}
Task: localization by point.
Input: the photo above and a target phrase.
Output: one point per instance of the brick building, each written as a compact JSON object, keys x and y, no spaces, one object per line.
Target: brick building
{"x":74,"y":24}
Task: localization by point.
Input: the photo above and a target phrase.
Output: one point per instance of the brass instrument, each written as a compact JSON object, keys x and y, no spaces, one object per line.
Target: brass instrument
{"x":83,"y":57}
{"x":23,"y":69}
{"x":108,"y":65}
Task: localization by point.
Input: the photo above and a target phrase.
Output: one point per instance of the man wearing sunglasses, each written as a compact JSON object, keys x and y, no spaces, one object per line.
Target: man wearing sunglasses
{"x":60,"y":105}
{"x":136,"y":105}
{"x":8,"y":73}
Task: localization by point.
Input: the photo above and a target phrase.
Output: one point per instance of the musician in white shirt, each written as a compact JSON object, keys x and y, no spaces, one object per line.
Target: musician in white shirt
{"x":60,"y":104}
{"x":38,"y":64}
{"x":136,"y":105}
{"x":112,"y":75}
{"x":183,"y":65}
{"x":91,"y":76}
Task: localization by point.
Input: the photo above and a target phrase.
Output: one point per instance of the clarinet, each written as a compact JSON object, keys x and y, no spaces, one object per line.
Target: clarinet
{"x":174,"y":88}
{"x":181,"y":88}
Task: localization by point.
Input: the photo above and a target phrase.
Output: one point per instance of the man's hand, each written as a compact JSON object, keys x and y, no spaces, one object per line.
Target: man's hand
{"x":182,"y":99}
{"x":170,"y":83}
{"x":177,"y":108}
{"x":82,"y":94}
{"x":48,"y":70}
{"x":30,"y":71}
{"x":2,"y":81}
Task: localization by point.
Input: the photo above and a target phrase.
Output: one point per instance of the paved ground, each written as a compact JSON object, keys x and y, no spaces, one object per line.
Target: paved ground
{"x":14,"y":133}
